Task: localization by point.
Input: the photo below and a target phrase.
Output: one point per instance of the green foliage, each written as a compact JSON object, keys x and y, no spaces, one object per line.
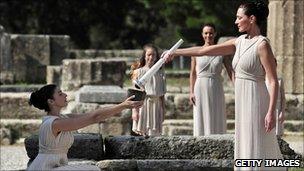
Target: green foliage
{"x":127,"y":24}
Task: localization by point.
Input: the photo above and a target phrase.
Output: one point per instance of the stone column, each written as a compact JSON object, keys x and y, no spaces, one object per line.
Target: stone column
{"x":285,"y":31}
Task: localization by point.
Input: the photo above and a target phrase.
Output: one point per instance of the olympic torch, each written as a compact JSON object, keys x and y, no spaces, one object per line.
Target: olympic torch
{"x":140,"y":83}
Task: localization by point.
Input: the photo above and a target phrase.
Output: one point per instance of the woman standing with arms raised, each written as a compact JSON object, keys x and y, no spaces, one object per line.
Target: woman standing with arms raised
{"x":254,"y":121}
{"x":206,"y":89}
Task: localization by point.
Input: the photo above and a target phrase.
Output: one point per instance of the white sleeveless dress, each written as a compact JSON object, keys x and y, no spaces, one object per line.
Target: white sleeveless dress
{"x":209,"y":115}
{"x":53,"y":150}
{"x":151,"y":114}
{"x":251,"y":106}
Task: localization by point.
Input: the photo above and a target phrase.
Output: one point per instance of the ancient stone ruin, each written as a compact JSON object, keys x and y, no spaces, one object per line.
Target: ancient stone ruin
{"x":95,"y":78}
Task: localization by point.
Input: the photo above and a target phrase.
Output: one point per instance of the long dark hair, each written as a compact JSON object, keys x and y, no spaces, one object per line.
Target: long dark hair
{"x":39,"y":98}
{"x":142,"y":60}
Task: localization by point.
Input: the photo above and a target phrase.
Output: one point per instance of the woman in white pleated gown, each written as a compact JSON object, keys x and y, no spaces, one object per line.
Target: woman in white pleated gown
{"x":55,"y":136}
{"x":206,"y":89}
{"x":254,"y":107}
{"x":148,"y":119}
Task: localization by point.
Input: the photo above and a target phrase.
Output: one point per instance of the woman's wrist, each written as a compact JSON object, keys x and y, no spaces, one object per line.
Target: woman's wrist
{"x":122,"y":106}
{"x":270,"y":113}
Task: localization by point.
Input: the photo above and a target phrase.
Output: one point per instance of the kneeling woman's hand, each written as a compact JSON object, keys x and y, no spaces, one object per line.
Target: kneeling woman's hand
{"x":128,"y":103}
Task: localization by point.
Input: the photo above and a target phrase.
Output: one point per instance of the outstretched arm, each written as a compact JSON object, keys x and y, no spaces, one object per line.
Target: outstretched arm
{"x":71,"y":124}
{"x":225,"y":48}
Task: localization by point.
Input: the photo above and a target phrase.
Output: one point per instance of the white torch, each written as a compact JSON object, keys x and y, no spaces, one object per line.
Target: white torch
{"x":140,"y":83}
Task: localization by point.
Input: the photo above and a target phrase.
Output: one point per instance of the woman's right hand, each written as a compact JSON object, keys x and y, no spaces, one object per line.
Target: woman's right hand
{"x":192,"y":99}
{"x":167,"y":56}
{"x":128,"y":103}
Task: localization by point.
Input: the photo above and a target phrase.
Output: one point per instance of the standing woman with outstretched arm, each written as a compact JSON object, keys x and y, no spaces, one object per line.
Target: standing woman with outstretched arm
{"x":254,"y":106}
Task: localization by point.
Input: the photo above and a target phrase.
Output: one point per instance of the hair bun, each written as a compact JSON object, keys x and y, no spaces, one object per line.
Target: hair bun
{"x":262,"y":8}
{"x":34,"y":100}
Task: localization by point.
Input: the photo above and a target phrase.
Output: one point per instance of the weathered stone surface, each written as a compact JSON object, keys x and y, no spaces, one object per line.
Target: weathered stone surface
{"x":183,"y":106}
{"x":85,"y":146}
{"x":286,"y":151}
{"x":117,"y":125}
{"x":173,"y":127}
{"x":76,"y":73}
{"x":5,"y":136}
{"x":178,"y":106}
{"x":93,"y":53}
{"x":6,"y":64}
{"x":294,"y":107}
{"x":287,"y":17}
{"x":120,"y":124}
{"x":53,"y":75}
{"x":181,"y":147}
{"x":15,"y":106}
{"x":230,"y":105}
{"x":31,"y":55}
{"x":16,"y":88}
{"x":165,"y":165}
{"x":117,"y":165}
{"x":20,"y":128}
{"x":59,"y":46}
{"x":101,"y":94}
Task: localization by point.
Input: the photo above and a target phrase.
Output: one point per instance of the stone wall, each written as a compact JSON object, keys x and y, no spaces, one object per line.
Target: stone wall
{"x":6,"y":62}
{"x":285,"y":31}
{"x":15,"y":106}
{"x":95,"y":53}
{"x":31,"y":55}
{"x":178,"y":106}
{"x":24,"y":58}
{"x":79,"y":72}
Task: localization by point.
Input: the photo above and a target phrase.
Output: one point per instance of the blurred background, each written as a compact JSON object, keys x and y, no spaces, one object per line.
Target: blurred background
{"x":120,"y":24}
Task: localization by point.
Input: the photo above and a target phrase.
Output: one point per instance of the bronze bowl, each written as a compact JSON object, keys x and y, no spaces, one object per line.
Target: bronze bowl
{"x":139,"y":94}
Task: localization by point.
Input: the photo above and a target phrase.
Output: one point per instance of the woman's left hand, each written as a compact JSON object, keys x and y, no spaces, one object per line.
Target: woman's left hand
{"x":269,"y":122}
{"x":128,"y":103}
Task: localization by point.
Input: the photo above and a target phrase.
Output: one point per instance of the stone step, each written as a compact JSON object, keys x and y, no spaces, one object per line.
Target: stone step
{"x":100,"y":94}
{"x":20,"y":128}
{"x":14,"y":129}
{"x":165,"y":165}
{"x":185,"y":127}
{"x":15,"y":105}
{"x":179,"y":147}
{"x":20,"y":88}
{"x":85,"y":146}
{"x":213,"y":147}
